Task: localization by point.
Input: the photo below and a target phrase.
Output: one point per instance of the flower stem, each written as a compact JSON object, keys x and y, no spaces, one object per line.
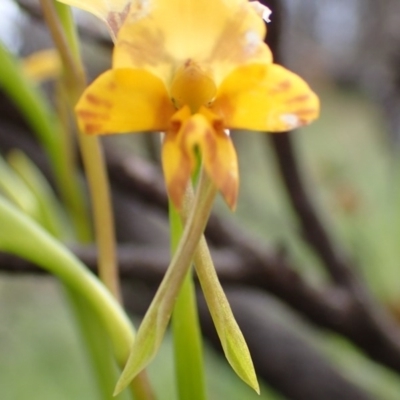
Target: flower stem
{"x":90,"y":147}
{"x":187,"y":338}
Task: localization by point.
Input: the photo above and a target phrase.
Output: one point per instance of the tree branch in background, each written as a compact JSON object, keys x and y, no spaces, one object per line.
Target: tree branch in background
{"x":371,"y":322}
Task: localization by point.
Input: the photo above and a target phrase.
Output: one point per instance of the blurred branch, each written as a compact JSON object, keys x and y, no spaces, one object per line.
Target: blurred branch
{"x":281,"y":354}
{"x":364,"y":321}
{"x":311,"y":227}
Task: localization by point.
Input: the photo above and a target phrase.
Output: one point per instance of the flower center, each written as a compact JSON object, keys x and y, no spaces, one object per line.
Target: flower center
{"x":192,"y":86}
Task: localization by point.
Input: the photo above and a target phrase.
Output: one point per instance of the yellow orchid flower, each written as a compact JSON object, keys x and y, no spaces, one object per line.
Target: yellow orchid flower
{"x":195,"y":69}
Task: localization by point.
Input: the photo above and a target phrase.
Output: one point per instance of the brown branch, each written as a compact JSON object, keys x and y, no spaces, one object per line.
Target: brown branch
{"x":311,"y":227}
{"x":365,"y":322}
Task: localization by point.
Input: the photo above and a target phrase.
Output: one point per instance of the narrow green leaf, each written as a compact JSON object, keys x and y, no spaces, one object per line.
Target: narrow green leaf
{"x":155,"y":322}
{"x":17,"y":191}
{"x":21,"y":236}
{"x":52,"y":215}
{"x":230,"y":335}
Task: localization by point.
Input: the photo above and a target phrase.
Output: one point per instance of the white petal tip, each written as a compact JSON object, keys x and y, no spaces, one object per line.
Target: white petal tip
{"x":263,"y":11}
{"x":291,"y":120}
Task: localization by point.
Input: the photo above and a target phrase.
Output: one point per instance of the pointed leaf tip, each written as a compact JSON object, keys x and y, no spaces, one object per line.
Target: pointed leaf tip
{"x":230,"y":335}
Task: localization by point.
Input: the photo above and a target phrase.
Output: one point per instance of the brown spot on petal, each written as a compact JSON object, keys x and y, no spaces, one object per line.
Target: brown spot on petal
{"x":174,"y":126}
{"x":211,"y":147}
{"x":282,"y":86}
{"x":176,"y":187}
{"x":111,"y":86}
{"x":98,"y":101}
{"x":298,"y":99}
{"x":92,"y":129}
{"x":305,"y":111}
{"x":86,"y":114}
{"x":148,"y":49}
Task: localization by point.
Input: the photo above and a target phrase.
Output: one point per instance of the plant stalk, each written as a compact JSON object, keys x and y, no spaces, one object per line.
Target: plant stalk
{"x":189,"y":363}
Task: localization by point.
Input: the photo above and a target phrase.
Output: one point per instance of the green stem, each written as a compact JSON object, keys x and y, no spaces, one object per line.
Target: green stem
{"x":97,"y":344}
{"x":93,"y":158}
{"x":189,"y":364}
{"x":66,"y":40}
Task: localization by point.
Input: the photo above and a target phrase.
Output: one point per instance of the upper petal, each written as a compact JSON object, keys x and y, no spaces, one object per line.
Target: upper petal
{"x":170,"y":32}
{"x":124,"y":100}
{"x":112,"y":12}
{"x":265,"y":98}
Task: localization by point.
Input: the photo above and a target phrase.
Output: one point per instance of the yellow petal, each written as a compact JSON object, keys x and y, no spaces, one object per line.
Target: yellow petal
{"x":265,"y":98}
{"x":170,"y":32}
{"x":112,"y":12}
{"x":177,"y":164}
{"x":124,"y":100}
{"x":218,"y":154}
{"x":205,"y":131}
{"x":43,"y":65}
{"x":241,"y":42}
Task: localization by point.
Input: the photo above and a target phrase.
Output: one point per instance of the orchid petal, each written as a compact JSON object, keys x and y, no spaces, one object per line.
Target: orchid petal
{"x":218,"y":153}
{"x":124,"y":100}
{"x":265,"y":98}
{"x":263,"y":11}
{"x":112,"y":12}
{"x":177,"y":164}
{"x":217,"y":33}
{"x":205,"y":131}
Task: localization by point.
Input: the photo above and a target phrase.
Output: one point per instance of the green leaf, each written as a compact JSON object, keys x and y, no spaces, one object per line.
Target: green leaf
{"x":230,"y":335}
{"x":51,"y":214}
{"x":17,"y":191}
{"x":21,"y":236}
